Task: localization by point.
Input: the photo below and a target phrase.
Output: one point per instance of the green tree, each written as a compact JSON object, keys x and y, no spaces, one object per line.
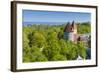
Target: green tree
{"x":26,"y":57}
{"x":51,"y":49}
{"x":26,"y":48}
{"x":81,"y":49}
{"x":37,"y":39}
{"x":58,"y":57}
{"x":38,"y":57}
{"x":63,"y":45}
{"x":60,"y":35}
{"x":25,"y":41}
{"x":72,"y":50}
{"x":84,"y":28}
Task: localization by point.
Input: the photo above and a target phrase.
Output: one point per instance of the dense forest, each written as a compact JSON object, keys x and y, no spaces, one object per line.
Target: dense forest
{"x":41,"y":43}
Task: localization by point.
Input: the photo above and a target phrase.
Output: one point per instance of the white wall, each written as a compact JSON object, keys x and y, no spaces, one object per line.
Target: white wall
{"x":5,"y":37}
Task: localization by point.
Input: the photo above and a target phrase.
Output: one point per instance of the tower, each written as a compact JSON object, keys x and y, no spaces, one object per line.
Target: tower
{"x":70,"y":32}
{"x":74,"y":28}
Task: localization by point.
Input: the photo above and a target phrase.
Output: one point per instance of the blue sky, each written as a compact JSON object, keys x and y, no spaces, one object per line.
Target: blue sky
{"x":53,"y":16}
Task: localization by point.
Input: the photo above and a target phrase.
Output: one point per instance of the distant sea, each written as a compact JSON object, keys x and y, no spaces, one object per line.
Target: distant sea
{"x":44,"y":23}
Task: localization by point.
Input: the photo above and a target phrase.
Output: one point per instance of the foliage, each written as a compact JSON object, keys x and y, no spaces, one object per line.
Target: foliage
{"x":46,"y":43}
{"x":82,"y":50}
{"x":58,"y":57}
{"x":84,"y":28}
{"x":72,"y":51}
{"x":37,"y":39}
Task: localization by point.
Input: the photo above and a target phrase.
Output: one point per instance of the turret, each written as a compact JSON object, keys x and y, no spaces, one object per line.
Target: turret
{"x":70,"y":31}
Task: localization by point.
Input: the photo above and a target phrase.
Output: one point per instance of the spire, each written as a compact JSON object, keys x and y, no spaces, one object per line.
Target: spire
{"x":73,"y":23}
{"x":66,"y":27}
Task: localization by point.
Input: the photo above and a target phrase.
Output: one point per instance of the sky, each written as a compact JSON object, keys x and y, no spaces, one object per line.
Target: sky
{"x":54,"y":16}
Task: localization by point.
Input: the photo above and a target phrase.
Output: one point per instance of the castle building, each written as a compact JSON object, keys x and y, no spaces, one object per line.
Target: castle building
{"x":70,"y":32}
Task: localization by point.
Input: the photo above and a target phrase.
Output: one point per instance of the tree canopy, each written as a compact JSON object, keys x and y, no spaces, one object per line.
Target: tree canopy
{"x":45,"y":43}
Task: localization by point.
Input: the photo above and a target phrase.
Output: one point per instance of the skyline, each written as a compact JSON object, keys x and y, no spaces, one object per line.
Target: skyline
{"x":54,"y":16}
